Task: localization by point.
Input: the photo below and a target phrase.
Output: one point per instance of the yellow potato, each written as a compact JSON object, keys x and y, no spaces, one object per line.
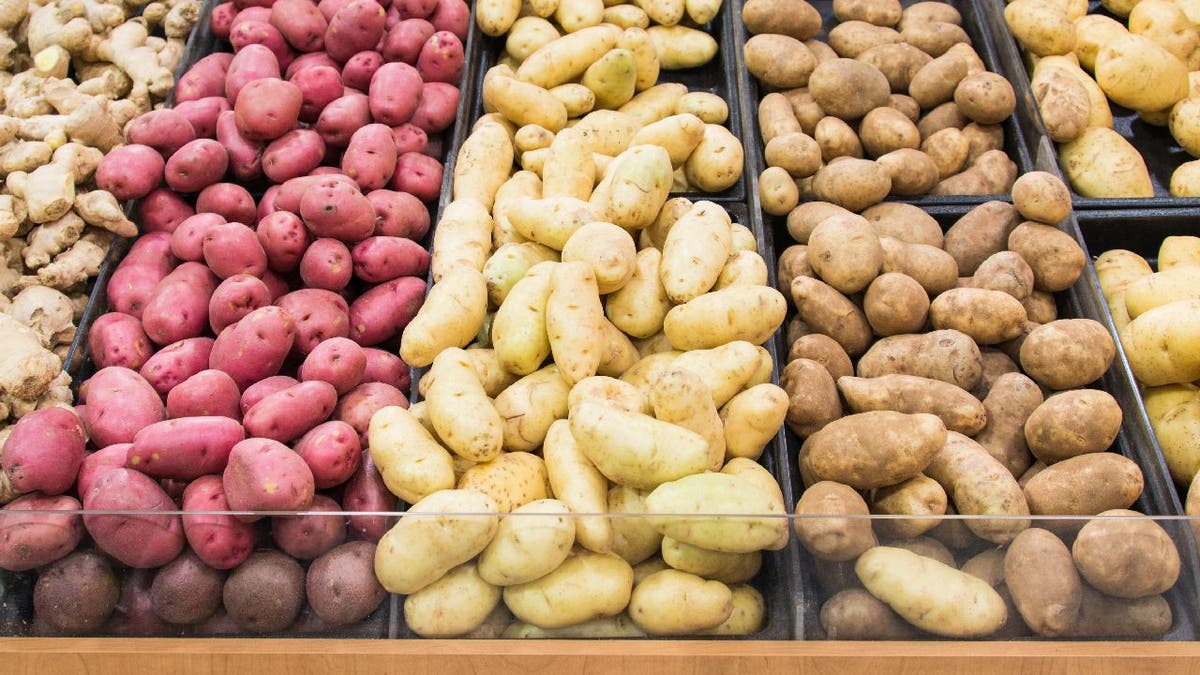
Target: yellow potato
{"x":608,"y":132}
{"x":452,"y":315}
{"x":1040,"y":27}
{"x":496,"y":17}
{"x":607,"y":249}
{"x":726,"y":369}
{"x":586,"y":586}
{"x":568,"y":57}
{"x":573,"y":321}
{"x":1099,"y":112}
{"x":695,"y":251}
{"x":671,"y":602}
{"x":744,"y":268}
{"x":717,"y":162}
{"x":679,"y":134}
{"x":578,"y":99}
{"x":1179,"y":251}
{"x":749,"y":313}
{"x":568,"y":170}
{"x":463,"y":238}
{"x":680,"y":47}
{"x":605,"y":627}
{"x":748,"y":615}
{"x":575,"y":15}
{"x":1174,"y":412}
{"x":483,"y":164}
{"x":710,"y":108}
{"x":420,"y":549}
{"x":690,"y":510}
{"x":752,"y":418}
{"x":528,"y":545}
{"x":1160,"y":288}
{"x":664,"y":12}
{"x":655,"y":103}
{"x":550,"y":221}
{"x":727,"y":568}
{"x":1165,"y":23}
{"x":509,"y":263}
{"x":635,"y":187}
{"x":609,"y":391}
{"x":452,"y":606}
{"x":634,"y":449}
{"x":576,"y":482}
{"x":410,"y":460}
{"x":463,"y":415}
{"x":682,"y":398}
{"x":639,"y":307}
{"x":612,"y":78}
{"x":1126,"y":64}
{"x":529,"y":406}
{"x":1160,"y":344}
{"x":527,"y":35}
{"x":645,"y":57}
{"x":627,"y":16}
{"x":619,"y":353}
{"x":1101,"y":163}
{"x":634,"y":538}
{"x":520,"y":184}
{"x":523,"y":103}
{"x":519,"y":329}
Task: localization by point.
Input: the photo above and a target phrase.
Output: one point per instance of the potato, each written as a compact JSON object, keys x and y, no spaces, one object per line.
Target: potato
{"x":680,"y":47}
{"x":935,"y":83}
{"x":1185,"y":180}
{"x":979,"y":485}
{"x":898,"y":62}
{"x":710,"y":108}
{"x":845,"y":253}
{"x":854,"y":184}
{"x":452,"y":606}
{"x":1040,"y":28}
{"x":752,"y":418}
{"x":624,"y":446}
{"x":796,"y":152}
{"x":1040,"y":574}
{"x":948,"y":148}
{"x":855,"y":614}
{"x":727,"y":568}
{"x":450,"y":317}
{"x":812,"y":396}
{"x":1011,"y":400}
{"x":985,"y":98}
{"x":779,"y":61}
{"x":76,"y":594}
{"x":1130,"y":557}
{"x":946,"y":355}
{"x":695,"y":251}
{"x":934,"y":37}
{"x":1103,"y":616}
{"x":833,"y":538}
{"x":884,"y":130}
{"x":748,"y":615}
{"x":586,"y":586}
{"x":511,"y":480}
{"x":917,"y":496}
{"x":752,"y":314}
{"x":1125,"y":175}
{"x":849,"y":39}
{"x":895,"y":304}
{"x":836,"y":138}
{"x":634,"y":538}
{"x":777,"y":191}
{"x":413,"y":464}
{"x":1068,"y":353}
{"x":1160,"y":288}
{"x":675,"y":507}
{"x":610,"y":627}
{"x":1084,"y":486}
{"x":789,"y":17}
{"x":832,"y":82}
{"x":831,"y":313}
{"x":957,"y":409}
{"x":671,"y":602}
{"x":1128,"y":61}
{"x":716,"y":163}
{"x":905,"y":222}
{"x":897,"y":447}
{"x":266,"y":593}
{"x":573,"y":321}
{"x":1006,"y":272}
{"x":1063,"y":102}
{"x":1073,"y":423}
{"x":931,"y":595}
{"x":418,"y":551}
{"x":577,"y":483}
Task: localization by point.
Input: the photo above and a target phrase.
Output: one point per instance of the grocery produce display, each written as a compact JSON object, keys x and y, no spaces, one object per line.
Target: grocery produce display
{"x":590,"y":319}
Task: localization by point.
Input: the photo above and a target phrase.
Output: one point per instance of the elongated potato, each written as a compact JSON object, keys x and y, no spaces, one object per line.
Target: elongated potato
{"x":1044,"y":583}
{"x":872,"y":449}
{"x":748,"y":615}
{"x":464,"y":417}
{"x":752,"y":418}
{"x":1160,"y":288}
{"x":462,"y":238}
{"x":680,"y":47}
{"x":513,"y":479}
{"x":568,"y":171}
{"x":585,"y":586}
{"x":671,"y":602}
{"x":830,"y":313}
{"x":410,"y":460}
{"x":530,"y":545}
{"x":632,"y":449}
{"x":509,"y":263}
{"x":1125,"y":64}
{"x":946,"y":355}
{"x":452,"y":606}
{"x":727,"y":568}
{"x":725,"y":369}
{"x":640,"y":306}
{"x":577,"y":483}
{"x":419,"y":550}
{"x":612,"y":78}
{"x":634,"y":537}
{"x":609,"y":250}
{"x":573,"y":321}
{"x":1124,"y":173}
{"x":988,"y":317}
{"x":568,"y":57}
{"x":523,"y":103}
{"x":754,"y":473}
{"x":483,"y":164}
{"x":749,"y":313}
{"x":452,"y":316}
{"x":679,"y":134}
{"x":979,"y":485}
{"x":1011,"y":400}
{"x":695,"y":251}
{"x":496,"y":17}
{"x":1156,"y":344}
{"x":550,"y":221}
{"x":709,"y":496}
{"x":958,"y":410}
{"x":645,"y":56}
{"x":655,"y":103}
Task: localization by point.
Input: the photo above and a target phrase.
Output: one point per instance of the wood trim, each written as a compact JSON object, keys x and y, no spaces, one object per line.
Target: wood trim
{"x":101,"y":656}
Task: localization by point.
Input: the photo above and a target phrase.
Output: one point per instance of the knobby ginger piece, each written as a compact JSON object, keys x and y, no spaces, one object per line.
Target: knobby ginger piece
{"x":48,"y":240}
{"x":79,"y":263}
{"x":26,"y":369}
{"x":100,"y":208}
{"x":46,"y":311}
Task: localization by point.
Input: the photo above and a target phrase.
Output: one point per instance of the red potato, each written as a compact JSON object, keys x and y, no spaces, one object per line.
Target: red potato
{"x":231,"y":201}
{"x":309,"y":536}
{"x":330,"y":7}
{"x":187,"y":242}
{"x":151,"y":249}
{"x":265,"y":475}
{"x":319,"y":315}
{"x":130,"y":171}
{"x":203,"y":113}
{"x":366,"y":492}
{"x":245,"y":33}
{"x":290,"y":192}
{"x":408,"y":137}
{"x":387,"y":368}
{"x":222,"y":20}
{"x":120,"y":404}
{"x":143,"y":540}
{"x":236,"y":297}
{"x":245,"y":155}
{"x":293,"y":155}
{"x":177,"y":362}
{"x":233,"y":248}
{"x":43,"y":452}
{"x":441,"y":58}
{"x":370,"y":158}
{"x":382,"y":312}
{"x":419,"y":175}
{"x":267,"y":108}
{"x":250,"y":12}
{"x":205,"y":394}
{"x":117,"y":339}
{"x":360,"y":68}
{"x":220,"y":541}
{"x":178,"y":308}
{"x":332,"y":452}
{"x":438,"y":107}
{"x":357,"y":26}
{"x":319,"y":86}
{"x":394,"y":93}
{"x":186,"y":591}
{"x":338,"y":361}
{"x":452,"y":15}
{"x":277,"y":285}
{"x":184,"y":448}
{"x":163,"y":211}
{"x":380,"y":259}
{"x":287,"y":415}
{"x":207,"y":76}
{"x":358,"y":406}
{"x":301,"y":24}
{"x":332,"y":208}
{"x":341,"y":118}
{"x":255,"y":347}
{"x":96,"y":463}
{"x":266,"y":205}
{"x":197,"y":165}
{"x":326,"y":265}
{"x":252,"y":63}
{"x":164,"y":130}
{"x":420,"y":9}
{"x":284,"y":238}
{"x":146,"y":263}
{"x":264,"y":388}
{"x":403,"y":41}
{"x":309,"y":61}
{"x":399,"y":214}
{"x":32,"y":535}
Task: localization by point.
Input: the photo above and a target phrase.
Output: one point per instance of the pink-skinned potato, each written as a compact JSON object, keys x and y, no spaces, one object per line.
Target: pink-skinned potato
{"x":222,"y":19}
{"x":162,"y":211}
{"x":452,"y":15}
{"x":33,"y":535}
{"x":187,"y":241}
{"x":184,"y":448}
{"x":319,"y":315}
{"x":399,"y":214}
{"x":342,"y":117}
{"x":197,"y":165}
{"x":360,"y":68}
{"x":203,"y":114}
{"x":332,"y":452}
{"x":301,"y":24}
{"x":266,"y":475}
{"x":221,"y":541}
{"x":420,"y":9}
{"x":264,"y":388}
{"x":338,"y":361}
{"x":277,"y":285}
{"x":419,"y":175}
{"x":178,"y":308}
{"x":204,"y":79}
{"x":394,"y":93}
{"x":380,"y":259}
{"x":292,"y":155}
{"x":404,"y":40}
{"x":252,"y":63}
{"x":266,"y":205}
{"x":43,"y":452}
{"x":144,"y":540}
{"x":233,"y":248}
{"x":117,"y":339}
{"x":319,"y":86}
{"x":284,"y":239}
{"x":228,"y":200}
{"x":438,"y":107}
{"x":408,"y":137}
{"x":358,"y":25}
{"x":366,"y":492}
{"x":130,"y":171}
{"x":149,"y":260}
{"x":234,"y":298}
{"x":332,"y":208}
{"x":287,"y":415}
{"x":164,"y":130}
{"x":176,"y":362}
{"x":291,"y":191}
{"x":382,"y":312}
{"x":245,"y":155}
{"x":370,"y":158}
{"x":120,"y":403}
{"x":96,"y":463}
{"x":207,"y":393}
{"x":255,"y":347}
{"x":309,"y":60}
{"x":151,"y":249}
{"x":254,"y":32}
{"x":441,"y":58}
{"x":326,"y":265}
{"x":267,"y":108}
{"x":330,"y":7}
{"x":308,"y":537}
{"x":386,"y":367}
{"x":358,"y":406}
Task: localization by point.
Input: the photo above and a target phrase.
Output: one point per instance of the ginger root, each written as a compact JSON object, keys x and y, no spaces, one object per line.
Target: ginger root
{"x":12,"y":215}
{"x":49,"y":191}
{"x":48,"y":240}
{"x":26,"y":368}
{"x":126,"y":48}
{"x":24,"y":156}
{"x":81,"y":159}
{"x":99,"y":208}
{"x":78,"y":263}
{"x":46,"y":311}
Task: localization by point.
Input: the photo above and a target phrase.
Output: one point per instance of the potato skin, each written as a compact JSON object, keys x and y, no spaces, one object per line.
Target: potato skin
{"x":1085,"y":485}
{"x":855,"y":614}
{"x":830,"y":313}
{"x":1008,"y":405}
{"x":795,"y":18}
{"x":833,"y":538}
{"x":779,"y":61}
{"x":919,"y":495}
{"x":946,"y":355}
{"x":1045,"y":586}
{"x":872,"y":449}
{"x":988,"y":317}
{"x":1129,"y":558}
{"x":1067,"y":353}
{"x":671,"y":602}
{"x":848,"y":89}
{"x":845,"y":253}
{"x":812,"y":396}
{"x":76,"y":594}
{"x":958,"y":410}
{"x":266,"y":593}
{"x":978,"y":485}
{"x":1073,"y":423}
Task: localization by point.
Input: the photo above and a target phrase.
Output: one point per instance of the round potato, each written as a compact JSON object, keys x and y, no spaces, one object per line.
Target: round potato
{"x":848,"y":89}
{"x":777,"y":191}
{"x":833,"y":538}
{"x":836,"y":139}
{"x":1067,"y":353}
{"x":985,"y":98}
{"x":1073,"y":423}
{"x":1042,"y":197}
{"x":671,"y":602}
{"x":852,"y":183}
{"x":779,"y":61}
{"x":796,"y":152}
{"x":886,"y":129}
{"x":1127,"y":557}
{"x":913,"y":172}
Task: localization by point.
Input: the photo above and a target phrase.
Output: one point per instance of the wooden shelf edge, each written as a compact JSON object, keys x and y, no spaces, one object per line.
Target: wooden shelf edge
{"x":105,"y":656}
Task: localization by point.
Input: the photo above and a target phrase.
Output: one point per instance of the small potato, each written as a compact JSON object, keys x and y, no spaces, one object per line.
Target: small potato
{"x":727,"y":568}
{"x":671,"y":602}
{"x":76,"y":594}
{"x":855,"y":614}
{"x":586,"y":586}
{"x":576,"y":482}
{"x":752,"y":418}
{"x":608,"y":249}
{"x":1006,"y":272}
{"x":836,"y":139}
{"x":1130,"y":557}
{"x":529,"y":546}
{"x":917,"y":496}
{"x":779,"y":61}
{"x":1054,"y":256}
{"x":934,"y":37}
{"x":1040,"y":28}
{"x":948,"y":148}
{"x":930,"y":266}
{"x":716,"y":163}
{"x":945,"y":355}
{"x":748,"y":615}
{"x":634,"y":538}
{"x":852,"y":183}
{"x":851,"y":38}
{"x":1073,"y":423}
{"x":877,"y":13}
{"x":886,"y":129}
{"x":845,"y":252}
{"x":1067,"y":353}
{"x":1063,"y":102}
{"x":1040,"y":574}
{"x":833,"y":538}
{"x":697,"y":246}
{"x":450,"y":317}
{"x":791,"y":17}
{"x":1084,"y":486}
{"x":680,"y":47}
{"x":710,"y":108}
{"x":895,"y":304}
{"x":777,"y":191}
{"x":796,"y":152}
{"x":985,"y":98}
{"x":1185,"y":180}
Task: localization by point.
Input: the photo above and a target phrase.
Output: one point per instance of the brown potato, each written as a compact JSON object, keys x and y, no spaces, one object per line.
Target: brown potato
{"x":1084,"y":486}
{"x":797,"y":153}
{"x":1056,"y":258}
{"x":779,"y":61}
{"x":934,"y":84}
{"x":804,"y":108}
{"x":986,"y":98}
{"x":793,"y":262}
{"x":1067,"y":353}
{"x":987,"y":565}
{"x":975,"y":63}
{"x":948,"y":149}
{"x":1042,"y":197}
{"x":1006,"y":272}
{"x":804,"y":218}
{"x":904,"y":222}
{"x":877,"y":12}
{"x":1009,"y":403}
{"x":186,"y":591}
{"x":833,"y":538}
{"x":989,"y":317}
{"x":1063,"y":102}
{"x":1103,"y":616}
{"x":851,"y":38}
{"x":930,"y":266}
{"x":979,"y":485}
{"x":855,"y":614}
{"x":830,"y":313}
{"x":795,"y":18}
{"x":933,"y":37}
{"x":1072,"y":423}
{"x":872,"y":449}
{"x":981,"y":233}
{"x":995,"y":364}
{"x":341,"y":584}
{"x":927,"y":547}
{"x":958,"y":410}
{"x":848,"y":89}
{"x":895,"y":304}
{"x":946,"y":355}
{"x":1128,"y":557}
{"x":898,"y":62}
{"x":75,"y":595}
{"x":820,"y":49}
{"x":852,"y":183}
{"x":265,"y":593}
{"x":777,"y":191}
{"x":836,"y":139}
{"x":775,"y":117}
{"x":930,"y":10}
{"x":825,"y":351}
{"x":919,"y":497}
{"x":1041,"y":307}
{"x":993,"y":172}
{"x":983,"y":138}
{"x":845,"y":253}
{"x":1045,"y":586}
{"x":812,"y":396}
{"x":944,"y":116}
{"x":886,"y":129}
